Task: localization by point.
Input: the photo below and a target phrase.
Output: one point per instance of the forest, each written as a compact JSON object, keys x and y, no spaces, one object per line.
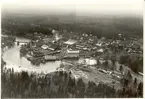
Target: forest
{"x":60,"y":84}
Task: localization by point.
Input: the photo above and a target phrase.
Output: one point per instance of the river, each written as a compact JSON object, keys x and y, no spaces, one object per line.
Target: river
{"x":12,"y":58}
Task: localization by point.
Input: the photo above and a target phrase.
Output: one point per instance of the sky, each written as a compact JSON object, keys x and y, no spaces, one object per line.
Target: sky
{"x":132,"y":7}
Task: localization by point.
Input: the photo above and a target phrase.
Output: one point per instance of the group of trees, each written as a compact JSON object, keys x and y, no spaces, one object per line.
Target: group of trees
{"x":101,"y":26}
{"x":24,"y":30}
{"x":3,"y":63}
{"x":24,"y":49}
{"x":132,"y":89}
{"x":133,"y":62}
{"x":7,"y":41}
{"x":58,"y":84}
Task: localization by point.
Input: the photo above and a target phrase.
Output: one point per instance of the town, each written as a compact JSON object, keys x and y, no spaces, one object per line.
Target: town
{"x":57,"y":57}
{"x":87,"y":57}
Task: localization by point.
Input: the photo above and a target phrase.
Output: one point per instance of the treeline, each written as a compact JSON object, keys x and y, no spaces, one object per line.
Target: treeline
{"x":59,"y":84}
{"x":24,"y":30}
{"x":105,"y":26}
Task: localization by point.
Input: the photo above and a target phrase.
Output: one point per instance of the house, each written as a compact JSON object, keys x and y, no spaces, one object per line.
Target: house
{"x":80,"y":46}
{"x":99,"y":44}
{"x":53,"y":47}
{"x":100,"y":50}
{"x":85,"y":48}
{"x":44,"y":47}
{"x":88,"y":61}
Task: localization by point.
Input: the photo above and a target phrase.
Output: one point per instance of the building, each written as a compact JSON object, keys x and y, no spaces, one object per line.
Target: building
{"x":88,"y":61}
{"x":52,"y":47}
{"x":100,"y":50}
{"x":44,"y":47}
{"x":78,"y":46}
{"x":72,"y":54}
{"x":50,"y":57}
{"x":70,"y":42}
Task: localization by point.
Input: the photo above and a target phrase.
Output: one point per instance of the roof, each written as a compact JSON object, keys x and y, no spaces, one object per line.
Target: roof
{"x":100,"y":50}
{"x":51,"y":48}
{"x":70,"y":42}
{"x":88,"y":61}
{"x":73,"y":51}
{"x":54,"y":46}
{"x":79,"y":45}
{"x":44,"y":46}
{"x":50,"y":57}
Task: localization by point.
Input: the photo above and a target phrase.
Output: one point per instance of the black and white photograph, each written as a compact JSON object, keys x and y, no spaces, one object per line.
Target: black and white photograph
{"x":72,"y":49}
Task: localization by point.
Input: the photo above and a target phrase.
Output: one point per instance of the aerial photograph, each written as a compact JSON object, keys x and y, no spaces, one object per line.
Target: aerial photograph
{"x":72,"y":49}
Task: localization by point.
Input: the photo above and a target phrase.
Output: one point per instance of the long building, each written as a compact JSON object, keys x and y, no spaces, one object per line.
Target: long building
{"x":72,"y":54}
